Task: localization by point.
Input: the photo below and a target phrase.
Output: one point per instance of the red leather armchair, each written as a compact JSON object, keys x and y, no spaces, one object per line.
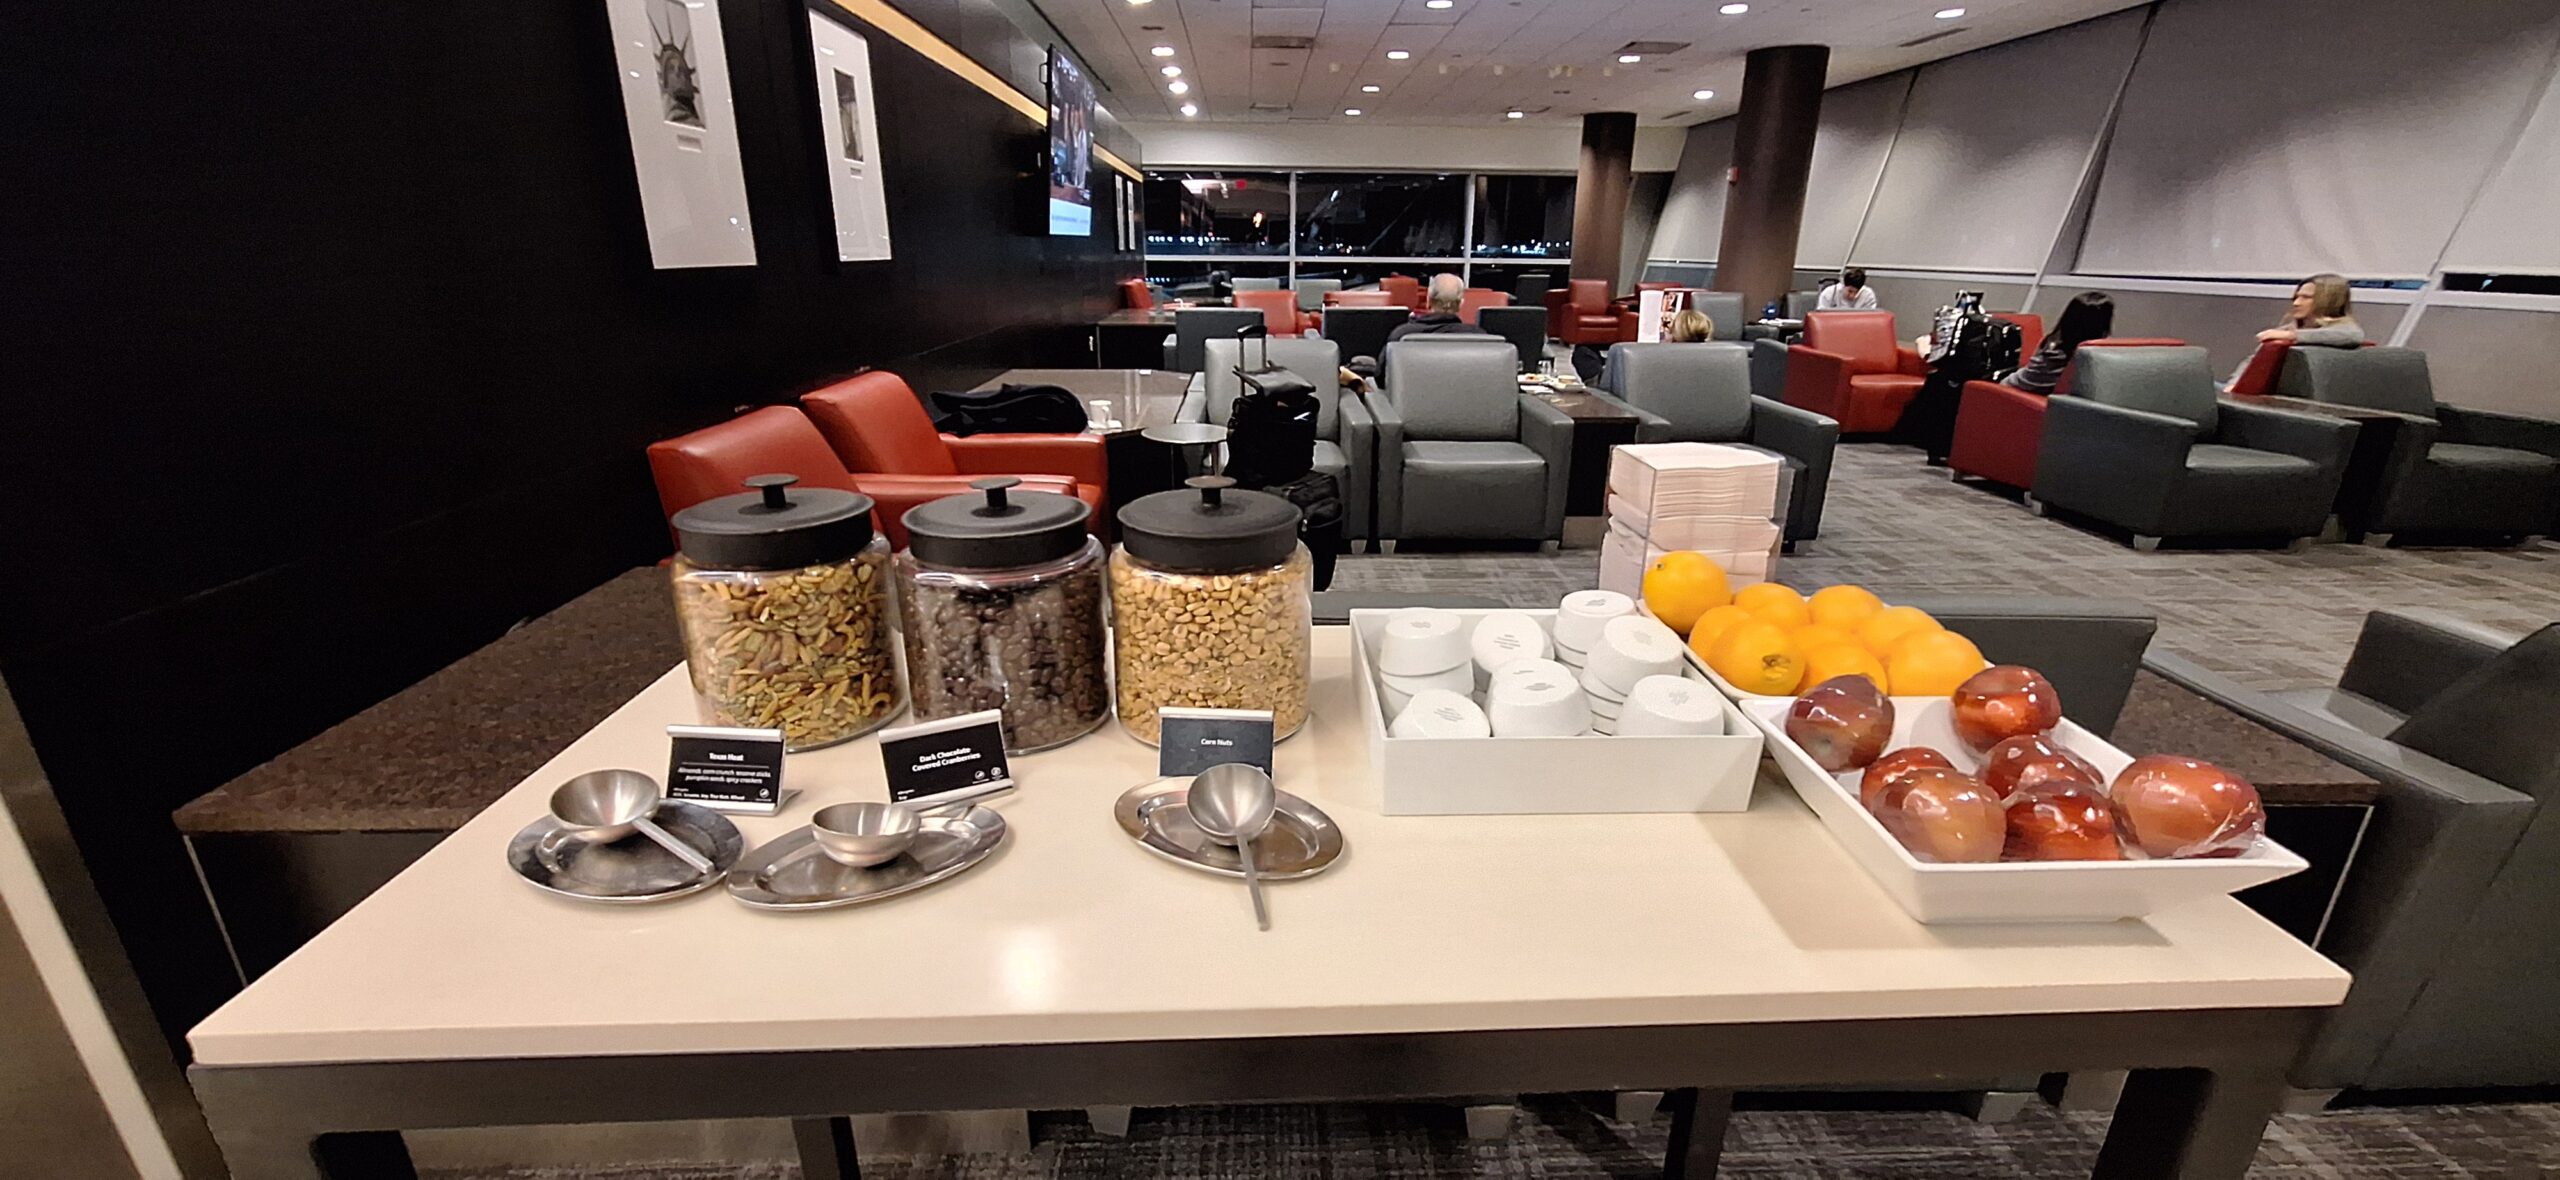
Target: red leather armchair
{"x":1998,"y":427}
{"x":1402,"y":291}
{"x":716,"y":461}
{"x":1137,"y":294}
{"x":1357,"y":299}
{"x":1588,"y":317}
{"x":2258,"y":377}
{"x":1559,"y":302}
{"x":1852,"y":370}
{"x":876,"y":425}
{"x":1477,"y":299}
{"x":1279,"y":311}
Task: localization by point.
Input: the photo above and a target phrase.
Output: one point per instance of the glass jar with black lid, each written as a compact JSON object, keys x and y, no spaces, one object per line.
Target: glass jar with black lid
{"x":1211,"y":606}
{"x":782,"y":595}
{"x":1003,"y":602}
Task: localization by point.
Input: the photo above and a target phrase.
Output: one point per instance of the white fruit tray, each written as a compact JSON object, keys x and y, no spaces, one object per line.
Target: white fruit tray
{"x":2037,"y":891}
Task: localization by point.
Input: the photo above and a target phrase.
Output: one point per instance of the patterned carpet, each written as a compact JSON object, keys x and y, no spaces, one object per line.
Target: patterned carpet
{"x":2270,"y":618}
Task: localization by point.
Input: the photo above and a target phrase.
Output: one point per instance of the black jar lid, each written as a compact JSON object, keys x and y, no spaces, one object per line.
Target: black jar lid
{"x":774,"y":527}
{"x":1213,"y":528}
{"x":998,"y":528}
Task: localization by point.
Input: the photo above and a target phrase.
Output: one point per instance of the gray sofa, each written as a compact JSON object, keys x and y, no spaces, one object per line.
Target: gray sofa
{"x":1194,"y":325}
{"x":1702,"y":393}
{"x":1462,"y":453}
{"x":2451,"y":470}
{"x":2447,"y":919}
{"x":2145,"y":443}
{"x":1346,"y":433}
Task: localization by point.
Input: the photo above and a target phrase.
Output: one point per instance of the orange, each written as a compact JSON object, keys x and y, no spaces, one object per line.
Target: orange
{"x":1813,"y":635}
{"x":1892,"y":623}
{"x":1679,"y":587}
{"x":1843,"y":606}
{"x":1756,"y":657}
{"x":1774,"y":604}
{"x":1932,"y":665}
{"x":1841,"y":659}
{"x":1711,"y":627}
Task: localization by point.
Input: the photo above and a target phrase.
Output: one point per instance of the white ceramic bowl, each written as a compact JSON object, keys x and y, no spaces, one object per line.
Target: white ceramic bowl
{"x":1583,"y":613}
{"x":1632,"y":648}
{"x":1598,"y":689}
{"x":1397,"y":692}
{"x":1438,"y":713}
{"x":1672,"y":706}
{"x":1576,"y":660}
{"x":1544,"y":705}
{"x":1422,"y":640}
{"x":1528,"y":668}
{"x":1503,"y":637}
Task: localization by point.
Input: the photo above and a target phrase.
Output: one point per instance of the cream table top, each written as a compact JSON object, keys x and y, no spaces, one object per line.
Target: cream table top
{"x":1074,"y":934}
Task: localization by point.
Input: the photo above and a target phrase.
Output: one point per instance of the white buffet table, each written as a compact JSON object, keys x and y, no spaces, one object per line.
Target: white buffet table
{"x":1444,"y":955}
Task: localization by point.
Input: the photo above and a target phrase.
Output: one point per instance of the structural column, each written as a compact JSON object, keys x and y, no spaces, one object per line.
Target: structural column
{"x":1600,"y":194}
{"x":1772,"y":155}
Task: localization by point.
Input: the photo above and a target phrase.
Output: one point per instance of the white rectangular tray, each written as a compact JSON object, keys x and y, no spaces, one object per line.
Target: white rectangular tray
{"x":2039,"y":891}
{"x":1531,"y":776}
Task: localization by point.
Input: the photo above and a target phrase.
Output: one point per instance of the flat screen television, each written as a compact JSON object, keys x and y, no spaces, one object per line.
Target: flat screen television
{"x":1070,"y":146}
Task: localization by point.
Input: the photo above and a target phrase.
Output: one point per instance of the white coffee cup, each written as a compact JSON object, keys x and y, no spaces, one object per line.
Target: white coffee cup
{"x":1503,"y":637}
{"x":1632,"y":648}
{"x":1538,"y":705}
{"x":1583,"y":613}
{"x":1422,"y":640}
{"x":1438,"y":713}
{"x":1671,"y":706}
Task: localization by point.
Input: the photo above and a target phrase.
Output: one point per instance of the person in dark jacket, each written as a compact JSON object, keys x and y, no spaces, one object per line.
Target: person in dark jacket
{"x":1448,"y":291}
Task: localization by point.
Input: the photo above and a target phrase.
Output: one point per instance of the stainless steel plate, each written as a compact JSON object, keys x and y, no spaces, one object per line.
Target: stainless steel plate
{"x":790,"y":873}
{"x":630,"y":870}
{"x":1301,"y":842}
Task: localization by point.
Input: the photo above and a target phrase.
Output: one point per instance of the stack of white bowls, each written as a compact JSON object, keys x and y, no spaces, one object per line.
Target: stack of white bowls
{"x":1440,"y":713}
{"x":1630,"y":648}
{"x":1503,"y":637}
{"x":1579,"y":619}
{"x":1537,"y":698}
{"x":1423,"y":649}
{"x":1668,"y":706}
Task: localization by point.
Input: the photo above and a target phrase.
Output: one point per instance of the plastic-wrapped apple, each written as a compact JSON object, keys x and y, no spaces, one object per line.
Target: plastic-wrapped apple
{"x":1943,"y":816}
{"x":2032,"y":759}
{"x":1889,"y":771}
{"x":2061,"y":821}
{"x":2004,"y":701}
{"x":1842,"y":722}
{"x":2171,"y":806}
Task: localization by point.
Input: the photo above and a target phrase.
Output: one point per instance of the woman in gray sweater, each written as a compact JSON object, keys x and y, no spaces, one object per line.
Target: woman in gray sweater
{"x":2323,"y":314}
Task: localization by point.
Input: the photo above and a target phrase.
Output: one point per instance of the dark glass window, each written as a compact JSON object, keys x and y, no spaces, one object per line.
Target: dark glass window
{"x":2516,"y":284}
{"x":1524,"y":217}
{"x":1217,"y":213}
{"x":1381,"y":216}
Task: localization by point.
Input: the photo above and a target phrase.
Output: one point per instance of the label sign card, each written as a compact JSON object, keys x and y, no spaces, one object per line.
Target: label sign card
{"x":727,"y":769}
{"x":946,"y":761}
{"x":1193,"y":740}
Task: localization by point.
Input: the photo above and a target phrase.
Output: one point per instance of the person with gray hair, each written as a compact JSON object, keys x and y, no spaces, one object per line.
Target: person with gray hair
{"x":1448,"y":293}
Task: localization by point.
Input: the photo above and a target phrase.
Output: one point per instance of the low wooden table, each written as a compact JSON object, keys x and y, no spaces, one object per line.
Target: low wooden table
{"x":1598,"y":427}
{"x":2377,"y":433}
{"x":1445,"y":955}
{"x":1131,"y":338}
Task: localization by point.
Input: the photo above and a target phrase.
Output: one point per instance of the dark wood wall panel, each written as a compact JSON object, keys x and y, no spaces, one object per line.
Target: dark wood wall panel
{"x":339,"y":345}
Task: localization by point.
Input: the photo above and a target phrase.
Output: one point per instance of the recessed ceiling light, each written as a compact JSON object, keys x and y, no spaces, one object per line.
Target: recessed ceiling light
{"x":1172,"y":71}
{"x":1628,"y":59}
{"x":1398,"y":54}
{"x":1162,"y":51}
{"x":1734,"y":9}
{"x":1439,"y":3}
{"x":1702,"y":95}
{"x":1140,"y":3}
{"x":1354,"y":111}
{"x":1189,"y":110}
{"x":1371,"y":88}
{"x":1950,"y":13}
{"x":1178,"y":86}
{"x":1515,"y":115}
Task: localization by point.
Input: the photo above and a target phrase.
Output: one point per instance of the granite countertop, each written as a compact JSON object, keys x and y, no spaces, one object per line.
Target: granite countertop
{"x":432,"y":756}
{"x":2162,"y":717}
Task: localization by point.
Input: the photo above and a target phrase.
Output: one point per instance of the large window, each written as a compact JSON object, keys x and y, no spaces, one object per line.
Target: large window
{"x":1358,"y":227}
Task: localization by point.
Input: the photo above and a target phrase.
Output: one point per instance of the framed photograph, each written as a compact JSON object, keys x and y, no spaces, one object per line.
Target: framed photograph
{"x":684,"y":132}
{"x":853,"y":140}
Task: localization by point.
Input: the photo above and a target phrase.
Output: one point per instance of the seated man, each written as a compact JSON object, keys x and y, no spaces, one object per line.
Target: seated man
{"x":1850,"y":293}
{"x":1448,"y":291}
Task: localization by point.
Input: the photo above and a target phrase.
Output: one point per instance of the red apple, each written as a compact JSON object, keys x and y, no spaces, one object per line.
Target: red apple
{"x":2004,"y":701}
{"x":2171,"y":806}
{"x":1889,"y":771}
{"x":1943,"y":816}
{"x":2030,"y":759}
{"x":1842,"y":722}
{"x":2061,"y":821}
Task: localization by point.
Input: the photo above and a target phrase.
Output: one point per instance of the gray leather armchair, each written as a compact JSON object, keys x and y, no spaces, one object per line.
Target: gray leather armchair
{"x":2451,"y":470}
{"x":1363,"y":331}
{"x":1524,"y":327}
{"x":1194,"y":325}
{"x":1702,"y":393}
{"x":2146,"y":444}
{"x":2446,"y":919}
{"x":1311,"y":292}
{"x":1462,"y":453}
{"x":1769,"y":368}
{"x":1245,"y":284}
{"x":1346,"y":433}
{"x":1727,"y":310}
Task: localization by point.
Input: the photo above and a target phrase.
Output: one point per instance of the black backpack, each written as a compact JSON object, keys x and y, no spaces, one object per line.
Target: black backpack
{"x":1013,"y":409}
{"x":1271,"y":437}
{"x":1319,"y":500}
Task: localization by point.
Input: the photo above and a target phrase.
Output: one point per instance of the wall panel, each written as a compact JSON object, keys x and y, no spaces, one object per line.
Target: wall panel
{"x":1848,"y":154}
{"x":1692,"y":225}
{"x":2492,"y":359}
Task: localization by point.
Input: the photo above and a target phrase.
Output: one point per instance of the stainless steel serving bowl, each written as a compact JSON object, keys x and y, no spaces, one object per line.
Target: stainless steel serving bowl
{"x":860,"y":835}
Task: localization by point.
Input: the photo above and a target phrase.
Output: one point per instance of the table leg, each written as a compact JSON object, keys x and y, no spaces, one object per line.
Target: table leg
{"x":2189,"y":1124}
{"x":826,"y":1149}
{"x":1698,"y":1119}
